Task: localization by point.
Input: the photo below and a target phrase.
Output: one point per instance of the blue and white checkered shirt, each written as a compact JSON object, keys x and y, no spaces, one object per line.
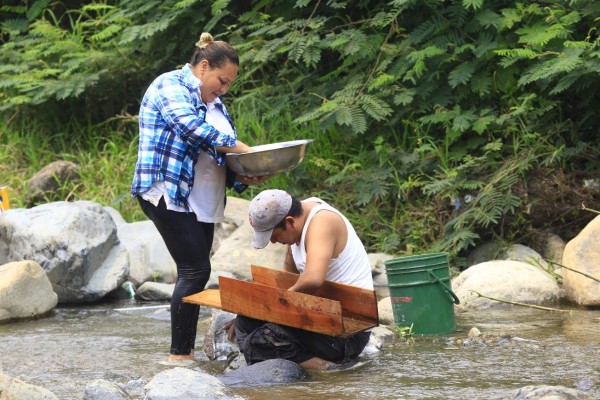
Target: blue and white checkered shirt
{"x":173,"y":132}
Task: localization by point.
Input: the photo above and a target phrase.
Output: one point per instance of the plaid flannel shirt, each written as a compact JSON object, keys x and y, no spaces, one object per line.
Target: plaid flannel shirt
{"x":173,"y":132}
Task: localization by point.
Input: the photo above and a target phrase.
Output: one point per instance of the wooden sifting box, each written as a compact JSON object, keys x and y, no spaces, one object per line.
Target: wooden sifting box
{"x":336,"y":310}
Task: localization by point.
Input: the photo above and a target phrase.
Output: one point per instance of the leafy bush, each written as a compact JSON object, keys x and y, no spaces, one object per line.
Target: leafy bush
{"x":427,"y":114}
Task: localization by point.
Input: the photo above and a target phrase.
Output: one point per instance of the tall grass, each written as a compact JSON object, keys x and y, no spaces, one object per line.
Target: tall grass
{"x":105,"y":157}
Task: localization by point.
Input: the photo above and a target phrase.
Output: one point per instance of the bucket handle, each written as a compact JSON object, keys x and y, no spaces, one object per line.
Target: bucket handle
{"x":453,"y":297}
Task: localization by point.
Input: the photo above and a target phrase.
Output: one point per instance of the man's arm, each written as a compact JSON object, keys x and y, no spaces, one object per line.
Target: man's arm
{"x":320,"y":241}
{"x":289,"y":265}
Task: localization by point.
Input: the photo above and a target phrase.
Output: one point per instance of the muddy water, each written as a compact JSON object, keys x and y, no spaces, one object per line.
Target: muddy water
{"x":123,"y":341}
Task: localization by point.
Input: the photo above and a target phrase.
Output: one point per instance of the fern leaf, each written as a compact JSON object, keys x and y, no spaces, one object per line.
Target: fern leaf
{"x":374,"y":107}
{"x":15,"y":25}
{"x":474,"y":4}
{"x":539,"y":34}
{"x":218,"y":6}
{"x":36,"y":9}
{"x":565,"y":83}
{"x":405,"y":97}
{"x":488,"y":19}
{"x":106,"y":33}
{"x":461,"y":74}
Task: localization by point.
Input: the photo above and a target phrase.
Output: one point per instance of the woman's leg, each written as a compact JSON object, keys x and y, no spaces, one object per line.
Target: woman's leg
{"x":189,"y":243}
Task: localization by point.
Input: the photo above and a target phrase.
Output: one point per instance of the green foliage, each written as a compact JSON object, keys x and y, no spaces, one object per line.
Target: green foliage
{"x":412,"y":103}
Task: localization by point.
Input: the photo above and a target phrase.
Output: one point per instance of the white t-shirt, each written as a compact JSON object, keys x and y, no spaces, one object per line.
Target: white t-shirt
{"x":207,"y":198}
{"x":351,"y":267}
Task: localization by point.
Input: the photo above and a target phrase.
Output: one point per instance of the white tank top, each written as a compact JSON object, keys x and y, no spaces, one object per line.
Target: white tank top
{"x":351,"y":267}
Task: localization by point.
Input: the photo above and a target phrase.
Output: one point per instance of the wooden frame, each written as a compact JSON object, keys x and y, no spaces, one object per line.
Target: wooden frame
{"x":336,"y":310}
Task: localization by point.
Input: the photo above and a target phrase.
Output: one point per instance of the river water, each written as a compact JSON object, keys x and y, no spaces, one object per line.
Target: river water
{"x":123,"y":341}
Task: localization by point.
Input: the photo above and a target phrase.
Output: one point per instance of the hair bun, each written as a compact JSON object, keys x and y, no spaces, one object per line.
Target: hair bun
{"x":204,"y":41}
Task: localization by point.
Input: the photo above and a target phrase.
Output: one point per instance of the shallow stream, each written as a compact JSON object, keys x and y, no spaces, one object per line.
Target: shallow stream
{"x":123,"y":341}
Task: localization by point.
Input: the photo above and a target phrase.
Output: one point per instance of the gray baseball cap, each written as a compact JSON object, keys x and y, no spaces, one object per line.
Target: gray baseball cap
{"x":266,"y":210}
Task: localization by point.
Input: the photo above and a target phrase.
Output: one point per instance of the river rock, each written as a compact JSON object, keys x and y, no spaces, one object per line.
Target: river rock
{"x":216,"y":344}
{"x":549,"y":393}
{"x":155,"y":291}
{"x":149,"y":259}
{"x":182,"y":383}
{"x":236,"y":254}
{"x":100,"y":389}
{"x":15,"y":389}
{"x":582,"y":254}
{"x":49,"y":180}
{"x":75,"y":243}
{"x":519,"y":252}
{"x":507,"y":280}
{"x":265,"y":373}
{"x":384,"y":309}
{"x":25,"y":291}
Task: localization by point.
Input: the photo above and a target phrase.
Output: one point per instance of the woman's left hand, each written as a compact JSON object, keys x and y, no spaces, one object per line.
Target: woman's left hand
{"x":252,"y":180}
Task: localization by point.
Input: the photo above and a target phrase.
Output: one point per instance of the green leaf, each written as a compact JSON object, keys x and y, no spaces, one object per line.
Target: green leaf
{"x":474,"y":4}
{"x":461,"y":74}
{"x":36,"y":9}
{"x":405,"y":97}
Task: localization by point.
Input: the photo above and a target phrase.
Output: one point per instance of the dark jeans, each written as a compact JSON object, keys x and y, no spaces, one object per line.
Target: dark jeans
{"x":189,"y":243}
{"x":260,"y":341}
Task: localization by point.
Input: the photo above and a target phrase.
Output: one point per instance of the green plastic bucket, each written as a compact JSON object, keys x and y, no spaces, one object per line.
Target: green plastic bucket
{"x":421,"y":294}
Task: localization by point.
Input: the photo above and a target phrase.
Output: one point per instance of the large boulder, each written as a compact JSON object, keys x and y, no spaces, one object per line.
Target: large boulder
{"x":25,"y":291}
{"x":506,"y":280}
{"x":235,"y":254}
{"x":149,"y":259}
{"x":75,"y":243}
{"x":582,"y":254}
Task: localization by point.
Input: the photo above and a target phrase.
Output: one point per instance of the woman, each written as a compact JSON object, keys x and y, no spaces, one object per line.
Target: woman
{"x":180,"y":175}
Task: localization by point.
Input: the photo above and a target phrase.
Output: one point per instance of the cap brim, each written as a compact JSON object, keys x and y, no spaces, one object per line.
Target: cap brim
{"x":262,"y":239}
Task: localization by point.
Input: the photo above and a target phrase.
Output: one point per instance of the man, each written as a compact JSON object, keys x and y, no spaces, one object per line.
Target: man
{"x":322,"y":245}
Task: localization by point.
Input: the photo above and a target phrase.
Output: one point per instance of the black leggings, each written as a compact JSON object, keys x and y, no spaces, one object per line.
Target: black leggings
{"x":189,"y":243}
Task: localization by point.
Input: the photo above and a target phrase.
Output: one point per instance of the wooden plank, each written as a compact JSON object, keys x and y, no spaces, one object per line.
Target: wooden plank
{"x":210,"y":298}
{"x":357,"y":303}
{"x":353,"y":326}
{"x":280,"y":306}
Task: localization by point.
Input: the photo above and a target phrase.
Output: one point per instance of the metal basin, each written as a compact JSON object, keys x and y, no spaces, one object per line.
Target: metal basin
{"x":268,"y":159}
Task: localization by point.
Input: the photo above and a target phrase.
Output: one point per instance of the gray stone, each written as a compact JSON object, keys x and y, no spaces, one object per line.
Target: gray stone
{"x":100,"y":389}
{"x":264,"y":373}
{"x":75,"y":243}
{"x":519,"y":252}
{"x":216,"y":344}
{"x":155,"y":291}
{"x":236,"y":255}
{"x":48,"y":181}
{"x":507,"y":280}
{"x":482,"y":253}
{"x":149,"y":259}
{"x":25,"y":291}
{"x":549,"y":393}
{"x":15,"y":389}
{"x":182,"y":383}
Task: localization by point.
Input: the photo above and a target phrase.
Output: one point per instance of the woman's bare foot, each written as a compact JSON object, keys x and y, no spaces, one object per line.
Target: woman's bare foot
{"x":180,"y":357}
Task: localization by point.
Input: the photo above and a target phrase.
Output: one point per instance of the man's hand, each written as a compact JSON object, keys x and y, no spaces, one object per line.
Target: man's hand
{"x":230,"y":328}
